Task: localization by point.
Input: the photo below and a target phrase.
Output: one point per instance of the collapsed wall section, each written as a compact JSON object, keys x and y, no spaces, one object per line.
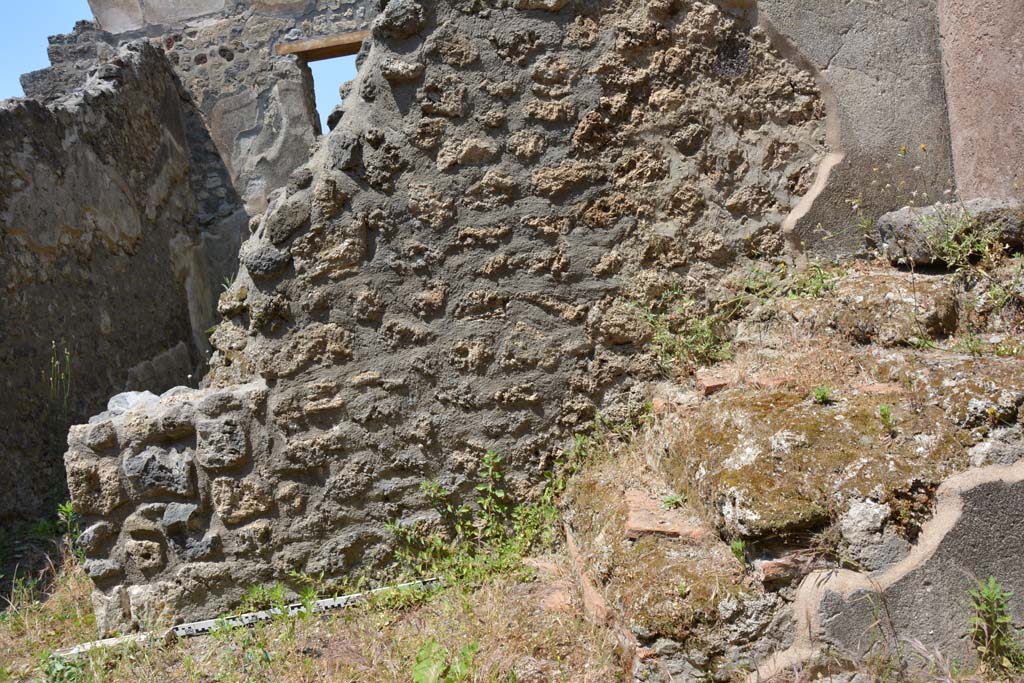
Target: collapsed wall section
{"x":94,"y":191}
{"x":464,"y":265}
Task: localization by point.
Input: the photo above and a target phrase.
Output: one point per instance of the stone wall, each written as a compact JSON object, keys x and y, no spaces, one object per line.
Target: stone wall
{"x":257,"y":106}
{"x":94,"y":195}
{"x":465,"y":262}
{"x":224,"y":122}
{"x":463,"y":266}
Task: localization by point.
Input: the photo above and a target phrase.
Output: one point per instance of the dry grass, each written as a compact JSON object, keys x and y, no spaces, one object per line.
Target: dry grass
{"x":515,"y":632}
{"x":46,"y":612}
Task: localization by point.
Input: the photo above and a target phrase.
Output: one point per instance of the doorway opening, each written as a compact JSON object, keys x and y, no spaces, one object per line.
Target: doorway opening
{"x":331,"y":78}
{"x":332,"y":64}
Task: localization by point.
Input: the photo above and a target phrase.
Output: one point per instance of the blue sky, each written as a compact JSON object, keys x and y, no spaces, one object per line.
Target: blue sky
{"x":328,"y":75}
{"x":26,"y":26}
{"x":23,"y":33}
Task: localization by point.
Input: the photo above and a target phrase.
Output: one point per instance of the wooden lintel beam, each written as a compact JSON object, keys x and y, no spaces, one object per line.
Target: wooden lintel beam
{"x":326,"y":47}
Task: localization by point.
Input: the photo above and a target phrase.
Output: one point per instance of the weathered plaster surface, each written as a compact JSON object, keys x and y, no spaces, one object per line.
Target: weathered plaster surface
{"x":983,"y":59}
{"x":972,"y":535}
{"x":881,"y":73}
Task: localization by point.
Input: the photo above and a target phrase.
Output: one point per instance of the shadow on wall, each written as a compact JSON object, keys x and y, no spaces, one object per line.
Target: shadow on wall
{"x":113,"y":256}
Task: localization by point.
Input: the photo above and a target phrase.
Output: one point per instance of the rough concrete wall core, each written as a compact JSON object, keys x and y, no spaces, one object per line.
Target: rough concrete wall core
{"x":460,"y":267}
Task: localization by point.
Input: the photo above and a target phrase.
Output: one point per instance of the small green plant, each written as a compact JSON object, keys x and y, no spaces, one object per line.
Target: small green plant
{"x":1009,"y":349}
{"x":822,"y":395}
{"x":57,"y":378}
{"x":70,"y":522}
{"x":647,"y":417}
{"x":490,"y":537}
{"x":274,"y":596}
{"x":491,"y":495}
{"x":923,"y":344}
{"x":739,"y":550}
{"x":812,"y":283}
{"x":971,"y":344}
{"x":673,"y":501}
{"x":60,"y":670}
{"x":885,"y":414}
{"x":684,"y":589}
{"x":960,"y":240}
{"x":680,"y":336}
{"x":434,"y":664}
{"x":992,"y":630}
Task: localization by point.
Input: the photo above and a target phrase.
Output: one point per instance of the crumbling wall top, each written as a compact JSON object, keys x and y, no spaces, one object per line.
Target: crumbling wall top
{"x":130,"y":16}
{"x":122,"y":16}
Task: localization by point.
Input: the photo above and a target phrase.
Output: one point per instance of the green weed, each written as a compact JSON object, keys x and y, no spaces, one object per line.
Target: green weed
{"x":58,"y":380}
{"x":822,"y":395}
{"x":61,"y":670}
{"x":970,"y":344}
{"x":959,"y":240}
{"x":739,"y":550}
{"x":434,"y":664}
{"x":490,"y":537}
{"x":673,"y":501}
{"x":888,"y":422}
{"x":812,"y":283}
{"x":1009,"y":349}
{"x":683,"y":337}
{"x":992,"y":630}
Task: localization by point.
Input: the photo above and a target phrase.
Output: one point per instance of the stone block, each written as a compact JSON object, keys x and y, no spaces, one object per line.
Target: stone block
{"x":221,"y":444}
{"x":914,"y":236}
{"x":156,"y":472}
{"x":239,"y":500}
{"x":181,"y":518}
{"x":118,"y":16}
{"x":95,"y":538}
{"x":95,"y":485}
{"x":102,"y":570}
{"x":176,"y":12}
{"x":146,"y":556}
